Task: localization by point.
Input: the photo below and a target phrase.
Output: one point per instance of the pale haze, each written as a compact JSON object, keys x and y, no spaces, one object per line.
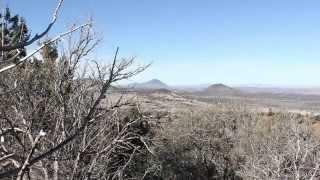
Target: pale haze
{"x":197,"y":42}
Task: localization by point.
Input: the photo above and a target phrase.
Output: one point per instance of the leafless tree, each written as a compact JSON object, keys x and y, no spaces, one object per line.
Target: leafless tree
{"x":56,"y":121}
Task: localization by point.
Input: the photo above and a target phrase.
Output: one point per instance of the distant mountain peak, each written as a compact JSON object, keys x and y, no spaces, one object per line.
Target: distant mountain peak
{"x":219,"y":85}
{"x":219,"y":89}
{"x":155,"y":81}
{"x":152,"y":84}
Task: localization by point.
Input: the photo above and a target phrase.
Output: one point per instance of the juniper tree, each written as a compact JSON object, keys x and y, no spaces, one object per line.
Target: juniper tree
{"x":13,"y":30}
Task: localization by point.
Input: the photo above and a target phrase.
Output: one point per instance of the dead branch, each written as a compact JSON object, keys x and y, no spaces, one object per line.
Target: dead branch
{"x":37,"y":36}
{"x":42,"y":46}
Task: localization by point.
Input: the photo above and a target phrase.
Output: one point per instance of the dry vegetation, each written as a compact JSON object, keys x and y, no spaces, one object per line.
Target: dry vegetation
{"x":53,"y":125}
{"x":58,"y":121}
{"x":232,"y":143}
{"x":228,"y":141}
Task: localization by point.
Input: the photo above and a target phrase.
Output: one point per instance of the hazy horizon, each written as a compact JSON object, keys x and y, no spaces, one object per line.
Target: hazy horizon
{"x":231,"y":85}
{"x":200,"y":42}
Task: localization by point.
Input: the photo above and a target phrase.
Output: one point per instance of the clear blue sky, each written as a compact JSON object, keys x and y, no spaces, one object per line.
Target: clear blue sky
{"x":201,"y":41}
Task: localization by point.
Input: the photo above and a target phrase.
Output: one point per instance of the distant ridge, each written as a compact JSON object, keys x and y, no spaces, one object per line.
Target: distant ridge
{"x":219,"y":89}
{"x":280,"y":90}
{"x":152,"y":84}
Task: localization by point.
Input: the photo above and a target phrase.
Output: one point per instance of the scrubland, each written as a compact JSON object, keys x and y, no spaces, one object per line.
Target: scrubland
{"x":62,"y":116}
{"x":231,"y":141}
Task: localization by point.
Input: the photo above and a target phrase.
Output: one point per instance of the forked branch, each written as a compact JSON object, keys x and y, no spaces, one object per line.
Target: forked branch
{"x":20,"y":45}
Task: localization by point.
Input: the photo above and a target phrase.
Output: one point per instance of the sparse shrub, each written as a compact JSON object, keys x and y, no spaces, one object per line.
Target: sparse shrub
{"x":289,"y":151}
{"x":235,"y":144}
{"x":197,"y":145}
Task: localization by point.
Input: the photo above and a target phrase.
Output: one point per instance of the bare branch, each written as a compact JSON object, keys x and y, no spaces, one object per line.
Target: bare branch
{"x":42,"y":46}
{"x":26,"y":162}
{"x":37,"y":36}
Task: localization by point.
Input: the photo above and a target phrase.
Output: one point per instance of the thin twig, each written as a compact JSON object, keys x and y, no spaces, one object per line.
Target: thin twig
{"x":37,"y":36}
{"x":42,"y":46}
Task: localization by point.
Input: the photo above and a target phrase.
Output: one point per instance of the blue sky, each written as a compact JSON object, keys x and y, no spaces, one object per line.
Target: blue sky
{"x":200,"y":41}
